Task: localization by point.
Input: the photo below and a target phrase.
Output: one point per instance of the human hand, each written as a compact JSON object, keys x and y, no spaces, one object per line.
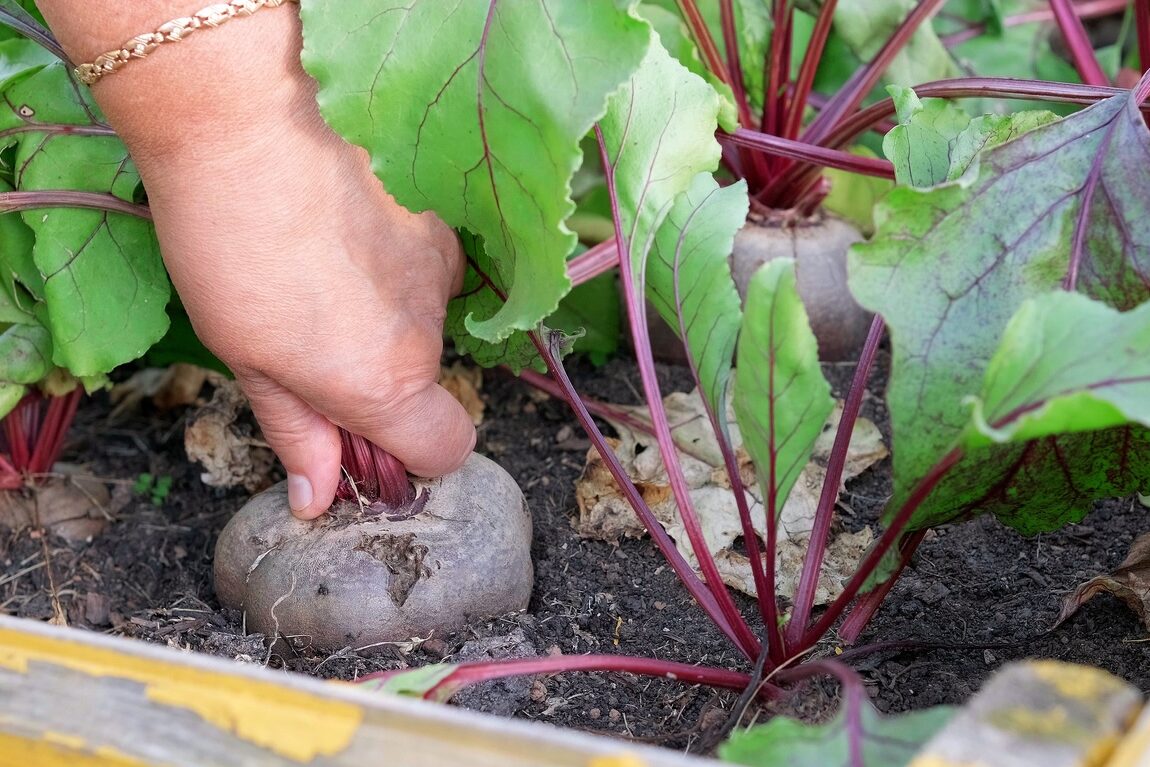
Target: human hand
{"x":323,"y":295}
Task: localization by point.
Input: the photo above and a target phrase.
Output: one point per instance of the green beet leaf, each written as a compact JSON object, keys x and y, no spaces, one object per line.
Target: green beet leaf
{"x":866,"y":25}
{"x":689,"y":280}
{"x":483,"y":292}
{"x":990,"y":13}
{"x":27,"y":354}
{"x":475,"y":110}
{"x":753,"y":29}
{"x":1019,"y":51}
{"x":920,"y":146}
{"x":854,"y":196}
{"x":20,"y":57}
{"x":414,"y":683}
{"x":21,"y":285}
{"x":1066,"y":364}
{"x":753,"y":33}
{"x":104,"y":285}
{"x":676,"y":38}
{"x":935,"y":141}
{"x":659,"y":135}
{"x":781,"y":398}
{"x":858,"y":735}
{"x":26,"y":351}
{"x":1060,"y":206}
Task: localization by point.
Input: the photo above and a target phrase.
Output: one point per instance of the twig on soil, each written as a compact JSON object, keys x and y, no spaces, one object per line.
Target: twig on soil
{"x":275,"y":637}
{"x":21,"y":573}
{"x":59,"y":617}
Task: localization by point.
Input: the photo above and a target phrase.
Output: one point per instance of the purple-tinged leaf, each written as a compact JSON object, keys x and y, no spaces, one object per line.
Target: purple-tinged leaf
{"x":1062,"y":206}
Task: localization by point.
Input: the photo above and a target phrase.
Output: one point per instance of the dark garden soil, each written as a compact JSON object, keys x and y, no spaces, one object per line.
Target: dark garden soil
{"x":148,"y":576}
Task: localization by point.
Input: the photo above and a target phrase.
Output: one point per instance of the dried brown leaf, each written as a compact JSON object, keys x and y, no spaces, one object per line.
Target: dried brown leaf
{"x":174,"y":386}
{"x":1130,"y":582}
{"x":464,"y":383}
{"x":221,"y":436}
{"x":75,"y":508}
{"x":604,"y":513}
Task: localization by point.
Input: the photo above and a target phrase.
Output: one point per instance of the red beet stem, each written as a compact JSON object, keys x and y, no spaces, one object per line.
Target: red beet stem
{"x":376,"y":474}
{"x":32,"y":436}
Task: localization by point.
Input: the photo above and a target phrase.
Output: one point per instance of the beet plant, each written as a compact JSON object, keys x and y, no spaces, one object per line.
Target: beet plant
{"x":1012,"y":248}
{"x":82,"y":287}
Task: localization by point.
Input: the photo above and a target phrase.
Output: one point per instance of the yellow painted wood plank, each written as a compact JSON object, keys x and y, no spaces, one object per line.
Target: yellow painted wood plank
{"x":1134,"y":749}
{"x":71,"y":697}
{"x":1037,"y":714}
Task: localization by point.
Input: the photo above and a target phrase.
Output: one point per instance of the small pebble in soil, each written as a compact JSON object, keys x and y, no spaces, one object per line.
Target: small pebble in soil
{"x":434,"y":647}
{"x":935,"y":593}
{"x":712,"y":719}
{"x":594,"y":713}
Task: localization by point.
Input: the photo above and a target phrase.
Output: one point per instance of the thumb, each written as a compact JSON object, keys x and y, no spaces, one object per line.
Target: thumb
{"x":306,"y":442}
{"x":428,"y":431}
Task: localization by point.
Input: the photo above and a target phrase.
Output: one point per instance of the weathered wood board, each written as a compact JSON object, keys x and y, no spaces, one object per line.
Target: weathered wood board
{"x":70,"y":697}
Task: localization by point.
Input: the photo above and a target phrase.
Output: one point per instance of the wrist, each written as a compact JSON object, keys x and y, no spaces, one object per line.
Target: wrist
{"x":225,"y":84}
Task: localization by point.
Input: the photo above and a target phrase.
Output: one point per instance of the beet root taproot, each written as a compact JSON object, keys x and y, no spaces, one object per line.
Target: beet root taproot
{"x":819,"y":247}
{"x":356,"y":577}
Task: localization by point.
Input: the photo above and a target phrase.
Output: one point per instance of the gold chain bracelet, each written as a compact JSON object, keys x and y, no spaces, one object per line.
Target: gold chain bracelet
{"x":171,"y":32}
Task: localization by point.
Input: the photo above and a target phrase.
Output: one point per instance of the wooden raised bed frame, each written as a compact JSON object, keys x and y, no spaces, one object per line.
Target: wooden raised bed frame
{"x":76,"y":698}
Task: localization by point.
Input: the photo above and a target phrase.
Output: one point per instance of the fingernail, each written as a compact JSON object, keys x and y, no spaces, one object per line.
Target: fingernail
{"x":299,"y":492}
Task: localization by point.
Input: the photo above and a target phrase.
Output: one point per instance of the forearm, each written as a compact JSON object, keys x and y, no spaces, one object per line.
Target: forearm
{"x":187,"y":96}
{"x":322,"y":294}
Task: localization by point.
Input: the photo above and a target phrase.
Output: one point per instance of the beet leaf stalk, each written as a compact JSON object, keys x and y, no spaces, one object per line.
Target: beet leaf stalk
{"x":824,"y":514}
{"x":560,"y":385}
{"x":33,"y":436}
{"x":702,"y":594}
{"x":1078,"y":41}
{"x":874,"y":557}
{"x":633,"y":290}
{"x":13,"y":202}
{"x":16,"y":18}
{"x":372,"y":474}
{"x":445,"y":681}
